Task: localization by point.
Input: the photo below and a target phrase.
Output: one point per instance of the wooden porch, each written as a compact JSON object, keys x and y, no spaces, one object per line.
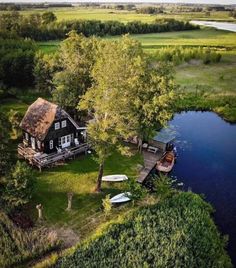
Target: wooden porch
{"x":46,"y":160}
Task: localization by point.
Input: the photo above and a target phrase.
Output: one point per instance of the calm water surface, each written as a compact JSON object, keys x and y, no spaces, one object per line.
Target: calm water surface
{"x":227,"y":26}
{"x":206,"y":163}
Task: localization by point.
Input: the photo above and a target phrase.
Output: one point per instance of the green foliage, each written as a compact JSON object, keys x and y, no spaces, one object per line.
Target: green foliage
{"x":16,"y":62}
{"x":75,"y":61}
{"x":178,"y":55}
{"x":4,"y":144}
{"x":48,"y":17}
{"x":15,"y":118}
{"x":107,"y":206}
{"x":17,"y":245}
{"x":44,"y":67}
{"x":136,"y":189}
{"x":19,"y":186}
{"x":177,"y":232}
{"x":163,"y":186}
{"x":44,"y":27}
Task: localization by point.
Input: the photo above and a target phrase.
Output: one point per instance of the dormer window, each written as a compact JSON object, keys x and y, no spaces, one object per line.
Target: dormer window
{"x":57,"y":125}
{"x":63,"y":123}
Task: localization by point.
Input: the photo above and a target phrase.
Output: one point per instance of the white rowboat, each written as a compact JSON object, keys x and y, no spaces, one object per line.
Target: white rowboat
{"x":115,"y":178}
{"x":121,"y":198}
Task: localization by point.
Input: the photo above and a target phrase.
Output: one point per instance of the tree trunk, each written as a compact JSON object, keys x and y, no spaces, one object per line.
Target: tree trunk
{"x":70,"y":196}
{"x":39,"y":207}
{"x":99,"y":179}
{"x":140,"y":145}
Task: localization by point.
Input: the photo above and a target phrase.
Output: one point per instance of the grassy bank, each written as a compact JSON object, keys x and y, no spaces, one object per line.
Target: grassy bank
{"x":209,"y":87}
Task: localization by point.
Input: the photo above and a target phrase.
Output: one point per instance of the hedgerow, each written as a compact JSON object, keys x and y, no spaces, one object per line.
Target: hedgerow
{"x":177,"y":232}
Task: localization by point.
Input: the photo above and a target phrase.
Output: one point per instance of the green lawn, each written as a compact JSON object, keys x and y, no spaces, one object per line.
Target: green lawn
{"x":124,"y":16}
{"x":79,"y":176}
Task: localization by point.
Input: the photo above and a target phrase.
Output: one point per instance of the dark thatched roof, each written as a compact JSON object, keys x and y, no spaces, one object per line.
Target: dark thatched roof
{"x":40,"y":116}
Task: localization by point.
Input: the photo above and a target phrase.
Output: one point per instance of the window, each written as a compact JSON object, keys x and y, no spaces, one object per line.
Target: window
{"x":51,"y":144}
{"x":38,"y":144}
{"x":63,"y":123}
{"x":27,"y":136}
{"x":57,"y":125}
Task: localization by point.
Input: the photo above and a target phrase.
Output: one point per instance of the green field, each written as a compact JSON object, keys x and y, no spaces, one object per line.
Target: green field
{"x":125,"y":16}
{"x":221,"y":40}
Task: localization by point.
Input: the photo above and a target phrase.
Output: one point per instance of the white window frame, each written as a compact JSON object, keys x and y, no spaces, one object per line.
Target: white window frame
{"x":57,"y":125}
{"x":63,"y":123}
{"x":51,"y":144}
{"x":39,"y":144}
{"x":26,"y":136}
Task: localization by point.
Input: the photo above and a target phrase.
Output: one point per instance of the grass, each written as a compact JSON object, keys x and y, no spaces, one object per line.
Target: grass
{"x":125,"y":16}
{"x":79,"y":176}
{"x":206,"y":87}
{"x":207,"y":37}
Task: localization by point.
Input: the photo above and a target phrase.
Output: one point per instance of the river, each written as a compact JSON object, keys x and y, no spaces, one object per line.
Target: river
{"x":227,"y":26}
{"x":206,"y":163}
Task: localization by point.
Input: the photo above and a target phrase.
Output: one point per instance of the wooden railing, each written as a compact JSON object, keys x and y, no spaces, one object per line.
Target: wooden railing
{"x":46,"y":160}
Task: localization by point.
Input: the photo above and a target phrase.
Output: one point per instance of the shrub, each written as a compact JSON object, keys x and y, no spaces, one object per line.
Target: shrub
{"x":177,"y":232}
{"x":17,"y":246}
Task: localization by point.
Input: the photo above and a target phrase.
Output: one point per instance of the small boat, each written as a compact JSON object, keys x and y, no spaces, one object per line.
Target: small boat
{"x":115,"y":178}
{"x":121,"y":198}
{"x":166,"y":163}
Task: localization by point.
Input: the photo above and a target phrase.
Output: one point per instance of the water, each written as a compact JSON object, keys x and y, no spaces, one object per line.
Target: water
{"x":227,"y":26}
{"x":206,"y":163}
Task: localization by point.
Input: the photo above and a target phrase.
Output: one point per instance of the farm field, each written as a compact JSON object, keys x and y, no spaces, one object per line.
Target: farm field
{"x":125,"y":16}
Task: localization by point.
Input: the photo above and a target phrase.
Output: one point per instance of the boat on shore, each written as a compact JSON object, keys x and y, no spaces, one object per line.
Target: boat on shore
{"x":115,"y":178}
{"x":121,"y":198}
{"x":166,"y":163}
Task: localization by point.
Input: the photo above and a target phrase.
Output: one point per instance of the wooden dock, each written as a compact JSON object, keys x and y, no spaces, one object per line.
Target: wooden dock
{"x":150,"y":160}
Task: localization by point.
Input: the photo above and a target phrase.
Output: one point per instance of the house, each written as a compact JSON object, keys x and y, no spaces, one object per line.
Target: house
{"x":49,"y":130}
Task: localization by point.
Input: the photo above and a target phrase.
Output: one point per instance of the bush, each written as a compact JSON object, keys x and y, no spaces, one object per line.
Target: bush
{"x":177,"y":232}
{"x":178,"y":55}
{"x":17,"y":246}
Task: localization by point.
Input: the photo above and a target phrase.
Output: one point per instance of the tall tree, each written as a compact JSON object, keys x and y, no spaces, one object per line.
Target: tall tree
{"x":44,"y":68}
{"x":154,"y":97}
{"x":116,"y":74}
{"x":129,"y":97}
{"x":76,"y":59}
{"x":19,"y":186}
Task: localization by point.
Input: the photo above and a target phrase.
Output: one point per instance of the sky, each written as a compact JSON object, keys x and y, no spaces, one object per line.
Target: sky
{"x":225,"y":2}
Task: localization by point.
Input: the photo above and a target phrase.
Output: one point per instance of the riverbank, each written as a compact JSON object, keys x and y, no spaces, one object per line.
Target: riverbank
{"x":208,"y":87}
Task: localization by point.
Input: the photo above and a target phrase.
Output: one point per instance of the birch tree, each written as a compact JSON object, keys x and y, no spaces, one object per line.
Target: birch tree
{"x":115,"y":75}
{"x":130,"y":96}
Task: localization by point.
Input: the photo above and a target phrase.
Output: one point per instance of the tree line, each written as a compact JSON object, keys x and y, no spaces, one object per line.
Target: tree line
{"x":45,"y":27}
